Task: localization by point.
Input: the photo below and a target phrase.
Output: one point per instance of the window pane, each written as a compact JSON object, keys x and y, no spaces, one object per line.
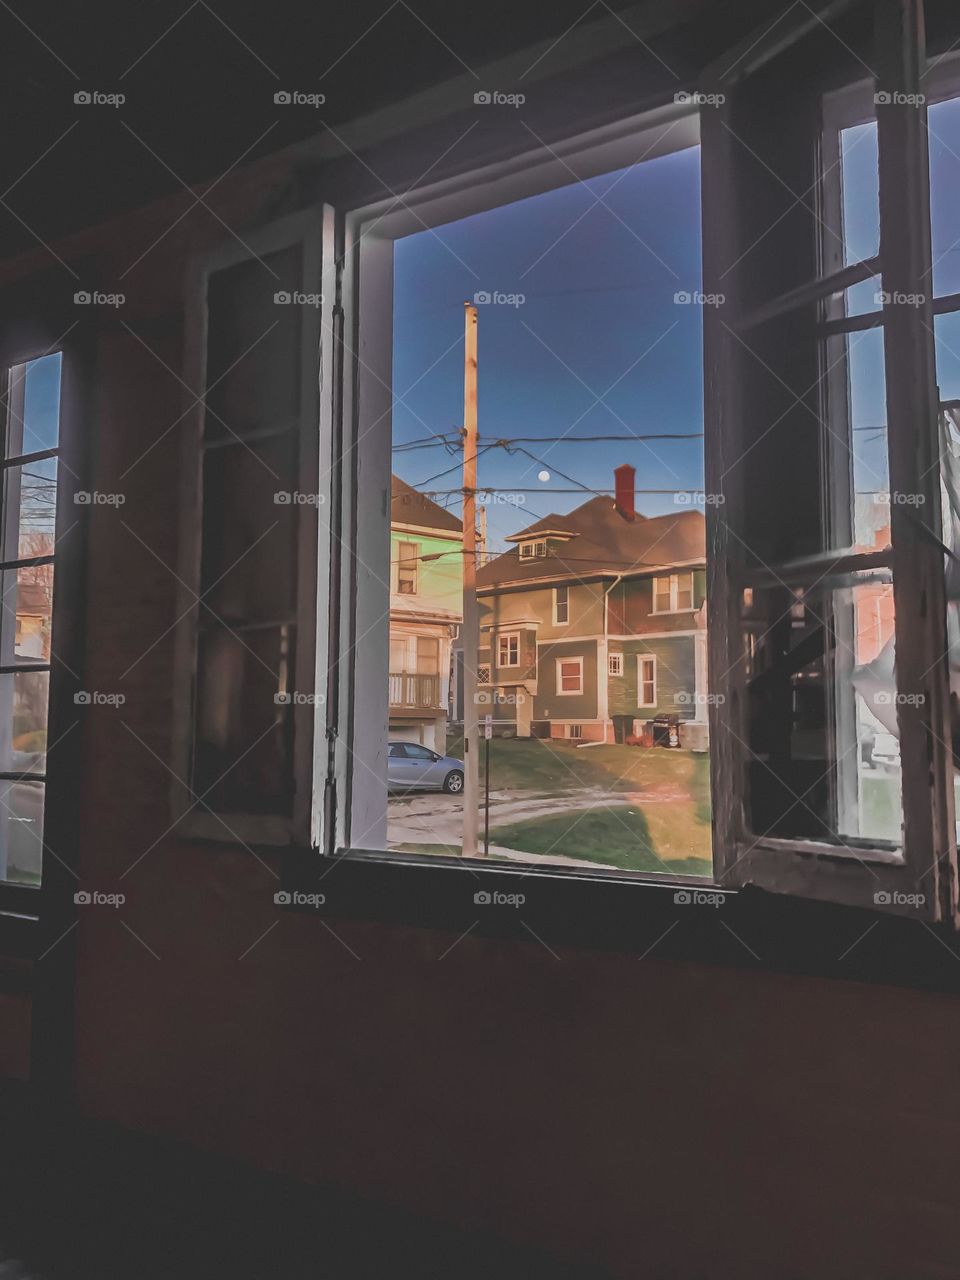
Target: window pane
{"x":943,"y":128}
{"x":860,"y":184}
{"x":28,"y":602}
{"x":250,"y":530}
{"x":23,"y":706}
{"x":21,"y":831}
{"x":856,"y":443}
{"x":244,"y":721}
{"x":33,"y":419}
{"x":824,"y":759}
{"x":30,"y":507}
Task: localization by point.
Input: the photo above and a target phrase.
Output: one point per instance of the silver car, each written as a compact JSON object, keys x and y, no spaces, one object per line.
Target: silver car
{"x":410,"y":765}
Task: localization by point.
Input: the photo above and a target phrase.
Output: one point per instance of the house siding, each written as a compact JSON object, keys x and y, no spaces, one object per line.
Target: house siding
{"x":676,"y":678}
{"x":551,"y":706}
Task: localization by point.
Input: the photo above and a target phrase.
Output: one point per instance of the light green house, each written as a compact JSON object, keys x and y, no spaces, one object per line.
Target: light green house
{"x":426,"y":611}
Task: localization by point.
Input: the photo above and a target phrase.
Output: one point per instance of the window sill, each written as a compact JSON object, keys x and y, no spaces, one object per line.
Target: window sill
{"x":664,"y":918}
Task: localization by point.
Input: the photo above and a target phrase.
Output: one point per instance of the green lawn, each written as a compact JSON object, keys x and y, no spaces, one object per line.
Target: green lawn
{"x":672,"y":827}
{"x":615,"y":836}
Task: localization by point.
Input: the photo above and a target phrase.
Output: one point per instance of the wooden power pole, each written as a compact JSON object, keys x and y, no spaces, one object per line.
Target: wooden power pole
{"x":471,"y":614}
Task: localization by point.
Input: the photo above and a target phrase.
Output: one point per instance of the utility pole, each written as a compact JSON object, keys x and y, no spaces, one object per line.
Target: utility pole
{"x":482,"y":544}
{"x":471,"y":614}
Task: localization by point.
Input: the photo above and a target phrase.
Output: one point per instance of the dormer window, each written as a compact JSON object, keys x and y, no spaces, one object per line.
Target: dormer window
{"x":533,"y":550}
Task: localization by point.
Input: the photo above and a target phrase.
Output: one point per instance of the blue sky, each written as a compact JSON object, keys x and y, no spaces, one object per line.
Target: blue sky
{"x":598,"y":347}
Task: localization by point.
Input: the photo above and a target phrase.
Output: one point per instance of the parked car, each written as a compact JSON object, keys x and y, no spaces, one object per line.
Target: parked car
{"x":410,"y":765}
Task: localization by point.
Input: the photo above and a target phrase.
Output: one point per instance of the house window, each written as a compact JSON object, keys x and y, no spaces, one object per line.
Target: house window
{"x":483,"y":673}
{"x":531,"y":550}
{"x":673,"y":593}
{"x":573,"y":731}
{"x":569,"y":676}
{"x":561,"y":605}
{"x":508,"y":650}
{"x":646,"y":680}
{"x":615,"y":664}
{"x":408,"y":562}
{"x":27,"y":547}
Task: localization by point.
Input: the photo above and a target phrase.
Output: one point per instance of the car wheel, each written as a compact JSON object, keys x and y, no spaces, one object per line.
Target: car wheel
{"x":453,"y":782}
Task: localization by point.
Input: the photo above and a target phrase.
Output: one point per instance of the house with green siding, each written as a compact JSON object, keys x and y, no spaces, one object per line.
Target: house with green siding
{"x":594,"y":623}
{"x":426,"y":611}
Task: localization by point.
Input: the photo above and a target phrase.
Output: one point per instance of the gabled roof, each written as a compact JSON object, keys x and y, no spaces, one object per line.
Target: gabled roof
{"x":410,"y":507}
{"x":603,"y":542}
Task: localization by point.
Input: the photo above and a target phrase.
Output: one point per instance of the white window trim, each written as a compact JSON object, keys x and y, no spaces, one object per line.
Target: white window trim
{"x":641,"y":659}
{"x":507,"y":636}
{"x":557,"y":622}
{"x":615,"y":659}
{"x":535,"y":549}
{"x":570,"y":693}
{"x":369,"y":232}
{"x":407,"y":560}
{"x":674,"y":592}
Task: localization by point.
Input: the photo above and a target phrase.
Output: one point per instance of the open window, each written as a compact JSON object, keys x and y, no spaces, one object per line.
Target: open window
{"x":827,"y":583}
{"x":255,"y":540}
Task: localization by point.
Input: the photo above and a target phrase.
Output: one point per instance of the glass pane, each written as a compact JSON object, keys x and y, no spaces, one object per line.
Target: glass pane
{"x":943,"y":128}
{"x":30,"y":504}
{"x":23,"y":721}
{"x":824,"y":760}
{"x":244,"y":721}
{"x":21,"y":831}
{"x":250,"y":509}
{"x":28,"y":604}
{"x":33,"y":420}
{"x":855,"y":442}
{"x":860,"y":187}
{"x":253,"y":363}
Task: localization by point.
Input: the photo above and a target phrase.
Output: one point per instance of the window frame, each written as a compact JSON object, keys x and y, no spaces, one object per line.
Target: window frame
{"x":673,"y":579}
{"x":313,"y":230}
{"x":406,"y":560}
{"x":557,"y":620}
{"x":569,"y":693}
{"x":507,"y":637}
{"x":615,"y":657}
{"x":651,"y":658}
{"x":814,"y":868}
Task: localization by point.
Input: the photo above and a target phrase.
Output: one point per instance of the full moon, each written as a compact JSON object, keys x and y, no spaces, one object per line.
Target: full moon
{"x":544,"y":476}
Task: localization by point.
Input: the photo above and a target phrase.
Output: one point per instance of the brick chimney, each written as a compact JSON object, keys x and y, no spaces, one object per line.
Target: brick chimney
{"x":624,"y":483}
